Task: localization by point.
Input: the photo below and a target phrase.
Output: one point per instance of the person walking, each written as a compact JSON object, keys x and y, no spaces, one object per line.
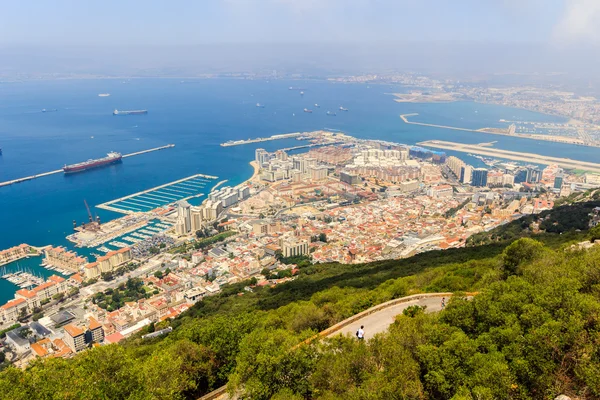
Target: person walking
{"x":360,"y":333}
{"x":443,"y":303}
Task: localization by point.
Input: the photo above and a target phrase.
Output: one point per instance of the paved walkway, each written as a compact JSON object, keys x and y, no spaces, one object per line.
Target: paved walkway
{"x":381,"y":320}
{"x":375,"y":322}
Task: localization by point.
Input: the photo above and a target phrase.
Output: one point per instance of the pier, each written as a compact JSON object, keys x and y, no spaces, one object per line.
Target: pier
{"x":159,"y":196}
{"x":306,"y":146}
{"x":499,"y":131}
{"x":566,"y":163}
{"x":258,"y":140}
{"x":28,"y":178}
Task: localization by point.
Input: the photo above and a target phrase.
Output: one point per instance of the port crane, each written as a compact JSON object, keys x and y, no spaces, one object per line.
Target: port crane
{"x":88,"y":211}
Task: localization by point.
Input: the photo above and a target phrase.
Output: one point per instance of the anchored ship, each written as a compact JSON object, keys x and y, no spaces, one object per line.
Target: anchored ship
{"x":111,"y":158}
{"x":306,"y":110}
{"x":132,"y":112}
{"x":260,"y":105}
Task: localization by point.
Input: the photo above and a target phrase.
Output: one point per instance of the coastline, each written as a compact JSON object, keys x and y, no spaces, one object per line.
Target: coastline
{"x":254,"y":174}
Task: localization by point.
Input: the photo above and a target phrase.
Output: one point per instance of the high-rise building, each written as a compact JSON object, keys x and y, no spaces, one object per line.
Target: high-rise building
{"x":534,"y":174}
{"x":466,"y":174}
{"x":455,"y":165}
{"x":558,"y":181}
{"x":184,"y":218}
{"x":508,"y":179}
{"x":479,"y":177}
{"x":74,"y":338}
{"x":349,"y":178}
{"x":318,"y":173}
{"x":261,"y":156}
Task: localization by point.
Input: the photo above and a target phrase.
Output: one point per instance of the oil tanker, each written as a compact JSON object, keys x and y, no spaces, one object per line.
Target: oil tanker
{"x":132,"y":112}
{"x":111,"y":158}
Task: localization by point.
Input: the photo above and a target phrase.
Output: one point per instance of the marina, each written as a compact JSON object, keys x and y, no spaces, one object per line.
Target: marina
{"x":512,"y":155}
{"x":160,"y":196}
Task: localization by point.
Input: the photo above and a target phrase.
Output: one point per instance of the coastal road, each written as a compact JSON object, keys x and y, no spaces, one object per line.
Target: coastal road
{"x":381,"y":320}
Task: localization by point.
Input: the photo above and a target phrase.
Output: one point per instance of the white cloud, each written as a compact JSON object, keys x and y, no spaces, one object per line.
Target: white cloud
{"x":580,"y":22}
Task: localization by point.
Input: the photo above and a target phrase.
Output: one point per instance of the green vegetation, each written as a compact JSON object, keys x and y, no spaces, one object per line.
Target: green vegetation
{"x":202,"y":242}
{"x":532,"y":332}
{"x":110,"y":299}
{"x":10,"y":328}
{"x":452,"y":211}
{"x":566,"y":219}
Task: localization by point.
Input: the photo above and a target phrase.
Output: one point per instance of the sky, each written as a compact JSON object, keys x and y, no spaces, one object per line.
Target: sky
{"x":196,"y":22}
{"x":181,"y":37}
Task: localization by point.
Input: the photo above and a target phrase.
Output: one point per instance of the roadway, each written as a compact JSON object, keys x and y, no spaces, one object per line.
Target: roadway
{"x":380,"y":321}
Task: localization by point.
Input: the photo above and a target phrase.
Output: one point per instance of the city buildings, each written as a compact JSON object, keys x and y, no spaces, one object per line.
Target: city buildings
{"x":62,"y":258}
{"x":349,"y":178}
{"x":74,"y":338}
{"x":479,"y":177}
{"x":183,"y":226}
{"x":293,"y":246}
{"x":107,"y":263}
{"x":14,"y":253}
{"x":26,"y":300}
{"x":466,"y":174}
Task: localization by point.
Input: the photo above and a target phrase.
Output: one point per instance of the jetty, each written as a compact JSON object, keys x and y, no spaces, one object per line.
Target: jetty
{"x":306,"y":146}
{"x":159,"y":196}
{"x":566,"y":163}
{"x":58,"y":171}
{"x":258,"y":140}
{"x":503,"y":132}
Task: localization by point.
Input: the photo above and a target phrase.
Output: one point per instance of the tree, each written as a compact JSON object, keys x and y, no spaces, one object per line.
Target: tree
{"x":58,"y":296}
{"x":158,"y":274}
{"x":520,"y":252}
{"x":37,"y":316}
{"x":323,"y":237}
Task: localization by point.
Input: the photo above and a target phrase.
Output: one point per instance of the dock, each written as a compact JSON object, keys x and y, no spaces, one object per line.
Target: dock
{"x":159,"y":196}
{"x":258,"y":140}
{"x":58,"y":171}
{"x":306,"y":146}
{"x":501,"y":132}
{"x":566,"y":163}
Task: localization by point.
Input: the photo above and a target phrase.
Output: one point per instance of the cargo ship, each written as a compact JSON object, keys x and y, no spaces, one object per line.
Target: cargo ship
{"x":132,"y":112}
{"x":111,"y":158}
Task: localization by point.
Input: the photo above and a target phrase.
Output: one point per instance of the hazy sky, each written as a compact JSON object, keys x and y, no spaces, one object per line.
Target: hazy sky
{"x":185,"y":22}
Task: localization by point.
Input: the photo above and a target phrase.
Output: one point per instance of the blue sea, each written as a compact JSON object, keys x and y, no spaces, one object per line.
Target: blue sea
{"x":196,"y":116}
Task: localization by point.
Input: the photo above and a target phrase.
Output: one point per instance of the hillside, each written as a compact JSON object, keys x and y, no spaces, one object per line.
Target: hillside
{"x":533,"y":332}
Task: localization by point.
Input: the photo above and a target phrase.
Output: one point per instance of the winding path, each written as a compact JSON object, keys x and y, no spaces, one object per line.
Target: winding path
{"x":376,"y":319}
{"x":379,"y":321}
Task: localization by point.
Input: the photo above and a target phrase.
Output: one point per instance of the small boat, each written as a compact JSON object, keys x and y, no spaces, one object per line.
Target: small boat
{"x":103,"y":94}
{"x":331,"y":114}
{"x":317,"y":106}
{"x":260,"y":105}
{"x":306,"y":110}
{"x":343,"y":109}
{"x":301,"y":93}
